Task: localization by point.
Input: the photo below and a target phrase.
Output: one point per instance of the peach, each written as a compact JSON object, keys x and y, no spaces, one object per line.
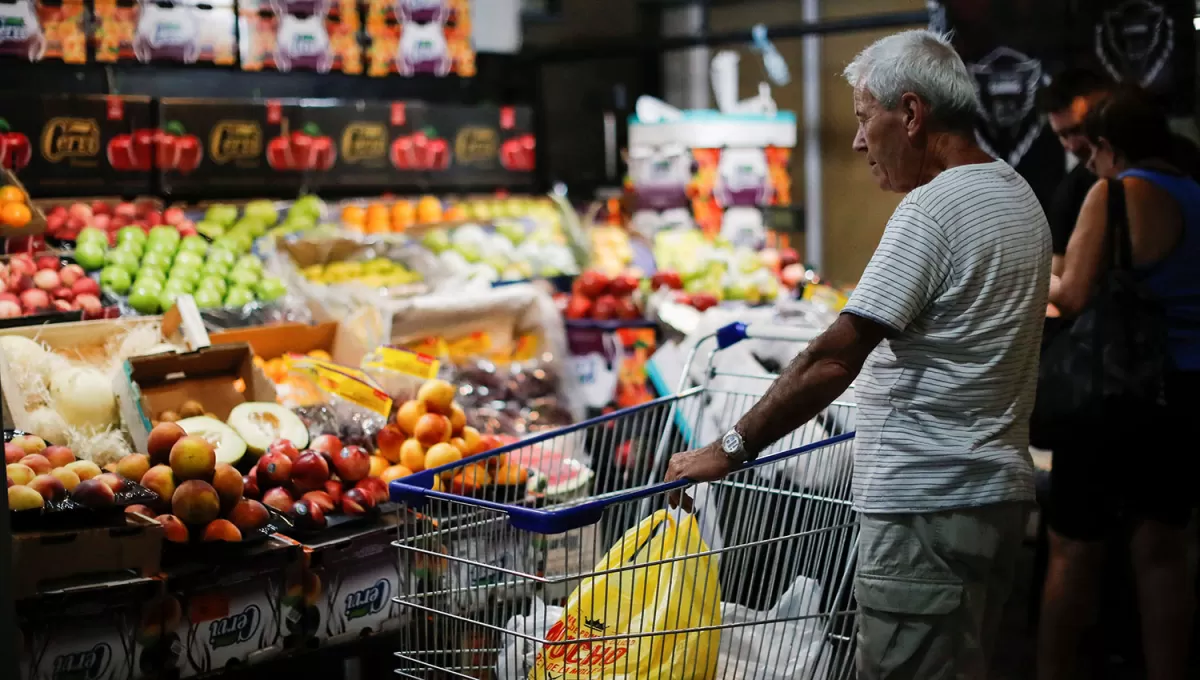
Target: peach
{"x":460,"y":444}
{"x":389,"y":440}
{"x":19,"y":473}
{"x":143,"y":510}
{"x":161,"y":480}
{"x":352,"y":463}
{"x":110,"y":468}
{"x":228,"y":483}
{"x":113,"y":480}
{"x":307,"y":515}
{"x":412,"y":455}
{"x":161,"y":440}
{"x":321,"y":499}
{"x":29,"y":443}
{"x":474,"y":442}
{"x":59,"y":456}
{"x":193,"y":458}
{"x":273,"y":469}
{"x":438,"y":395}
{"x":37,"y":462}
{"x":24,"y":498}
{"x":86,"y":469}
{"x":327,"y":443}
{"x":175,"y":530}
{"x":94,"y":493}
{"x":222,"y":530}
{"x":133,"y":466}
{"x":13,"y":453}
{"x":334,"y":489}
{"x":432,"y":429}
{"x":378,"y":465}
{"x":249,"y":515}
{"x":408,"y":414}
{"x":376,"y":487}
{"x":458,"y":418}
{"x":357,"y":502}
{"x":69,"y":479}
{"x":279,"y":498}
{"x":195,"y":502}
{"x":442,"y":454}
{"x":49,"y":487}
{"x":510,"y":475}
{"x":286,"y":447}
{"x":393,"y":473}
{"x":310,"y":472}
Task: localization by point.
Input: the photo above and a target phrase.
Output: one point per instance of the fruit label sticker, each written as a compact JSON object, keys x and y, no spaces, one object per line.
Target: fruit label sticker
{"x":408,"y":362}
{"x":236,"y":629}
{"x":90,"y":664}
{"x":351,"y":385}
{"x":373,"y":600}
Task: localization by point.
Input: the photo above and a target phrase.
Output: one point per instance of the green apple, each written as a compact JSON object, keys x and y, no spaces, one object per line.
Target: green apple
{"x":91,"y":235}
{"x":164,"y":232}
{"x":90,"y":255}
{"x":137,"y":248}
{"x":124,"y":259}
{"x":131,"y":234}
{"x":214,"y":282}
{"x":251,"y":225}
{"x":222,"y":214}
{"x":270,"y":288}
{"x":150,"y":274}
{"x":243,"y":277}
{"x":145,"y":301}
{"x":210,"y":230}
{"x":207,"y":298}
{"x":437,"y":241}
{"x":162,"y":246}
{"x":193,"y":244}
{"x":188,"y":260}
{"x":307,"y":205}
{"x":166,"y":299}
{"x":222,"y":256}
{"x":214,"y":269}
{"x":115,"y":279}
{"x":181,"y":285}
{"x":248,"y":262}
{"x":147,"y":286}
{"x":238,"y":296}
{"x":263,"y":211}
{"x":189,"y":274}
{"x":157,"y":259}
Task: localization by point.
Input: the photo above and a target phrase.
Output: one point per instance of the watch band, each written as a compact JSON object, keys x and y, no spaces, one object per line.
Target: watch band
{"x":733,"y":444}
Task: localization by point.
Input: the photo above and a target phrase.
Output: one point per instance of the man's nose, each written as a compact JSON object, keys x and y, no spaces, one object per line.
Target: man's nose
{"x":860,"y":141}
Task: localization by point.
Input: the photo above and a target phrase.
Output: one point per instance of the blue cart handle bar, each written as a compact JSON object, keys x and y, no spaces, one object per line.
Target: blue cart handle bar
{"x":418,"y":488}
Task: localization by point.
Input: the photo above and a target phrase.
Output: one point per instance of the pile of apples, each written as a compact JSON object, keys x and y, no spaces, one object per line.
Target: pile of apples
{"x":324,"y":479}
{"x":600,"y":298}
{"x":34,"y":285}
{"x":431,"y":431}
{"x":65,"y":222}
{"x":39,"y":474}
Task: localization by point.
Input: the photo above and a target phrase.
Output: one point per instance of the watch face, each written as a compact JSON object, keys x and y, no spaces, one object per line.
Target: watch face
{"x":731,"y":442}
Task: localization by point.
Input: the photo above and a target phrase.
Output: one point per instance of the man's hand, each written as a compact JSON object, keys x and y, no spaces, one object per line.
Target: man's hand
{"x":707,"y":464}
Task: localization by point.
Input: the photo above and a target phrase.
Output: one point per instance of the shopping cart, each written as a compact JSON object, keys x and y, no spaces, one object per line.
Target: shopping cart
{"x":488,"y":564}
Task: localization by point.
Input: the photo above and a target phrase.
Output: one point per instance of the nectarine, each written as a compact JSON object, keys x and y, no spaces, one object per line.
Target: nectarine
{"x":352,"y":463}
{"x":437,"y":395}
{"x":193,"y":458}
{"x":24,"y":498}
{"x":393,"y":473}
{"x":162,"y":438}
{"x":49,"y":487}
{"x":249,"y":515}
{"x":412,"y":455}
{"x":175,"y":530}
{"x":196,"y":502}
{"x":442,"y":454}
{"x":93,"y":493}
{"x":278,"y":498}
{"x":59,"y":456}
{"x":38,"y":463}
{"x":86,"y":469}
{"x":133,"y":466}
{"x":19,"y":473}
{"x":222,"y":530}
{"x":161,"y":480}
{"x":227,"y":482}
{"x":69,"y":479}
{"x":431,"y":429}
{"x":408,"y":415}
{"x":458,"y":419}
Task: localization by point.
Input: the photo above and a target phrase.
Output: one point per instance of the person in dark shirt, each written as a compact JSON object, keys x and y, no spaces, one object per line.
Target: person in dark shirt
{"x":1065,"y":103}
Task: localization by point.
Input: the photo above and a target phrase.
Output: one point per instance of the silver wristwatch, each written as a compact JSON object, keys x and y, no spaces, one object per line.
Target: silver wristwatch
{"x":734,"y":447}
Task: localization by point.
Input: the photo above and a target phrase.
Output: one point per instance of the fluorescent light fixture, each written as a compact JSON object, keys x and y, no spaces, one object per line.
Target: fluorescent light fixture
{"x":1196,"y":23}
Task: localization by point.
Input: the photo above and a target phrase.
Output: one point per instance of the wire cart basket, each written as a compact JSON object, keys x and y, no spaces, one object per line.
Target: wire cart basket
{"x":492,"y":565}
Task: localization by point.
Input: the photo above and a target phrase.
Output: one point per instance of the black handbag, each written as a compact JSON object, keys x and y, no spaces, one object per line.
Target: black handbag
{"x":1111,"y":360}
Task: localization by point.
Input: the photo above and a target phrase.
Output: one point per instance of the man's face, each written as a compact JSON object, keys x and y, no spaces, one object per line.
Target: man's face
{"x":1068,"y":126}
{"x":886,"y":137}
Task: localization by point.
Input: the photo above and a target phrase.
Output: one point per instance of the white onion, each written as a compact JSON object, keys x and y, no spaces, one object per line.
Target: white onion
{"x":26,"y":356}
{"x":49,"y":425}
{"x":84,"y":397}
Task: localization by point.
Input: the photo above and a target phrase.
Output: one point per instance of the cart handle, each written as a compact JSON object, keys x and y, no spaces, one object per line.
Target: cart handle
{"x":731,"y":334}
{"x":416,"y":489}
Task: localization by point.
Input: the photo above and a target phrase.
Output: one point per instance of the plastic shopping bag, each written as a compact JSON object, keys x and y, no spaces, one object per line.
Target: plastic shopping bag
{"x":660,"y":597}
{"x":786,"y":642}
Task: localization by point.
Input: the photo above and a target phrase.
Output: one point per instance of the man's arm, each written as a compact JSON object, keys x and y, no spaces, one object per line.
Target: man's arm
{"x":816,"y":377}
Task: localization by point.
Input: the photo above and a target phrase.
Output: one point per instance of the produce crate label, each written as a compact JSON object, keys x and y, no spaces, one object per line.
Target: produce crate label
{"x":44,"y":31}
{"x":79,"y":145}
{"x":208,"y":607}
{"x":408,"y":362}
{"x":234,"y":620}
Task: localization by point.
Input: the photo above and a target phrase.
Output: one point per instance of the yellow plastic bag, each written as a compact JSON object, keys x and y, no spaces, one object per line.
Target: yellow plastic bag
{"x":657,"y":598}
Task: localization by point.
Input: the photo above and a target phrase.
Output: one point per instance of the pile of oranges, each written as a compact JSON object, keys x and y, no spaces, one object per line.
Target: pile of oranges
{"x":381,"y":218}
{"x":15,"y":212}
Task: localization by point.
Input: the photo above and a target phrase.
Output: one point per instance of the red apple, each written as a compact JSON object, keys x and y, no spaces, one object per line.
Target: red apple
{"x":578,"y":308}
{"x":605,"y":308}
{"x":49,"y":262}
{"x":623,"y":284}
{"x":273,"y":469}
{"x":592,"y":283}
{"x":47,"y":279}
{"x":310,"y":472}
{"x":19,"y":283}
{"x":103,"y":222}
{"x":56,"y":222}
{"x":90,"y":304}
{"x":703,"y":301}
{"x":186,"y":228}
{"x":9,"y":310}
{"x":627,"y":310}
{"x":71,"y":273}
{"x":286,"y":447}
{"x":35,"y":299}
{"x":63,"y":294}
{"x":327,"y":443}
{"x":62,"y":306}
{"x":81,"y":211}
{"x":173,"y":215}
{"x":100,"y":208}
{"x":152,"y":218}
{"x":668,"y":279}
{"x":352,"y":463}
{"x":127,"y":211}
{"x":85,"y":286}
{"x":22,"y":264}
{"x":278,"y":498}
{"x":788,"y":256}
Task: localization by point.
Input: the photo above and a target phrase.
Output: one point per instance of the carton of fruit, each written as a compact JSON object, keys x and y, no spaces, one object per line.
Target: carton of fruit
{"x":229,"y":613}
{"x":183,"y":31}
{"x":85,"y":632}
{"x":300,"y":35}
{"x":42,"y":31}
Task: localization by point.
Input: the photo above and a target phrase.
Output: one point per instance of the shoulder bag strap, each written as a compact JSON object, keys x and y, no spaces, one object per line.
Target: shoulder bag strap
{"x":1120,"y":244}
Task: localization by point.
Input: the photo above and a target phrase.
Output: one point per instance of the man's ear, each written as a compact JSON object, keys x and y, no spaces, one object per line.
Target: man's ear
{"x":913,"y":110}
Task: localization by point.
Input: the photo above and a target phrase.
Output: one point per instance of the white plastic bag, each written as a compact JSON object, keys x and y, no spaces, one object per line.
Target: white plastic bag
{"x":776,"y":651}
{"x":517,"y":658}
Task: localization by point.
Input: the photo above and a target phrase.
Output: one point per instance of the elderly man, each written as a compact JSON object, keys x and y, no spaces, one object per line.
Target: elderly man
{"x":944,"y":328}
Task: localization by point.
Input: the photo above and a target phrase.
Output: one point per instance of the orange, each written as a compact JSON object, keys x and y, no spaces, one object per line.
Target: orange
{"x":354,"y":215}
{"x":15,"y":214}
{"x":395,"y":472}
{"x":429,"y":210}
{"x":456,"y":213}
{"x":10,"y":193}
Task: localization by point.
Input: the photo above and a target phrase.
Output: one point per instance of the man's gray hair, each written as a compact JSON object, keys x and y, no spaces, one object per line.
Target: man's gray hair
{"x":921,"y":62}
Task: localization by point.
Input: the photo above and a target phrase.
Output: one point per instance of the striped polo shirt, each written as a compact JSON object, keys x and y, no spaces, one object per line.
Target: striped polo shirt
{"x":961,"y":277}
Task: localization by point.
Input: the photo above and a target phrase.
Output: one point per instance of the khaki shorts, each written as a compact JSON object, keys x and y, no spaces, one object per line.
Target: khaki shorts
{"x":931,"y":589}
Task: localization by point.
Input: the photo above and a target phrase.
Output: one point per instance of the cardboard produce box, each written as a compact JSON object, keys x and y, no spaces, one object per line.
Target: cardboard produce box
{"x":219,"y":377}
{"x":86,"y":632}
{"x":43,"y":560}
{"x":229,"y":613}
{"x":277,"y":340}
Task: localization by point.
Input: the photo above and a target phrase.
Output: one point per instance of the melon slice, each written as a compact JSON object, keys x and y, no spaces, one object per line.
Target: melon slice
{"x":228,"y":446}
{"x":557,"y":470}
{"x":262,"y":422}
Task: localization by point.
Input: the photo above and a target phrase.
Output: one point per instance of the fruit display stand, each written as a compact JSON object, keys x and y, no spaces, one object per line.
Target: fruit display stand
{"x":50,"y":560}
